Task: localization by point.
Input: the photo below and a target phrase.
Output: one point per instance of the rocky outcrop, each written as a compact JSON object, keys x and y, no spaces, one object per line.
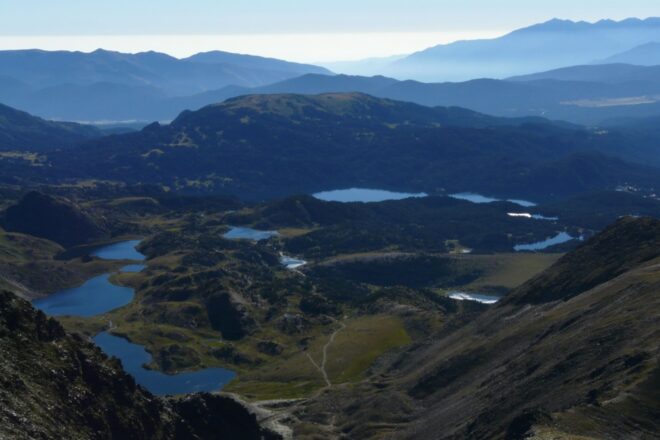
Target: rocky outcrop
{"x":56,"y":385}
{"x":229,"y":316}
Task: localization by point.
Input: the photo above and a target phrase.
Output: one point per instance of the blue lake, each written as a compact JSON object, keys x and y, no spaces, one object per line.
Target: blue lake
{"x":363,"y":195}
{"x":238,"y":233}
{"x":478,"y":198}
{"x":562,"y":237}
{"x":124,"y":250}
{"x":96,"y":296}
{"x":134,"y":357}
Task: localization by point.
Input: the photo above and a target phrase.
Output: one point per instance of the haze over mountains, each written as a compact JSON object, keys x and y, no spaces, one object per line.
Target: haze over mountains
{"x":647,"y":54}
{"x":590,"y":95}
{"x":556,"y":43}
{"x":619,"y":102}
{"x":111,"y":86}
{"x":201,"y":72}
{"x":63,"y":85}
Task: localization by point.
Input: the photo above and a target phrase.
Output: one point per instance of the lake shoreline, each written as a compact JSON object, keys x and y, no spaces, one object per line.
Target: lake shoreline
{"x":75,"y":302}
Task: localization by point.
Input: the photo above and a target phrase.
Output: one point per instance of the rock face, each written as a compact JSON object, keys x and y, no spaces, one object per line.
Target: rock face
{"x":229,"y":316}
{"x":51,"y":218}
{"x":618,"y":249}
{"x":55,"y":385}
{"x":573,"y":353}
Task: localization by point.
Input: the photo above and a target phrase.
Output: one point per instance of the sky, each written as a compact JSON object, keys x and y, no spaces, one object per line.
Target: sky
{"x":306,"y":31}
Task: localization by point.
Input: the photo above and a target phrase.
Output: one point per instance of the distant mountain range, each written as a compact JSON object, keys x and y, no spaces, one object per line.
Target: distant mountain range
{"x":603,"y":73}
{"x":644,"y":55}
{"x":264,"y":146}
{"x":39,"y":69}
{"x":585,"y":73}
{"x":590,"y":95}
{"x":545,"y":46}
{"x":106,"y":85}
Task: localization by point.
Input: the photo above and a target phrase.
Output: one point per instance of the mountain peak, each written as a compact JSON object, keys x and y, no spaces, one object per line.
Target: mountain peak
{"x":560,"y":24}
{"x":568,"y":23}
{"x":255,"y":61}
{"x":550,"y":45}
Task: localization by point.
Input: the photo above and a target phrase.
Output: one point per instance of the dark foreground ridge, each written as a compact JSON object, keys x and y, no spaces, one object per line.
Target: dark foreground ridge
{"x":56,"y":385}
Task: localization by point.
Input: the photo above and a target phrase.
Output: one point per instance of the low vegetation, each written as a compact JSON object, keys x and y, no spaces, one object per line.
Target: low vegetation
{"x":340,"y":325}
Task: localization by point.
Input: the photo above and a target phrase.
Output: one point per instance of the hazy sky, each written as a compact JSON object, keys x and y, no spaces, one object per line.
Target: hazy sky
{"x":309,"y":30}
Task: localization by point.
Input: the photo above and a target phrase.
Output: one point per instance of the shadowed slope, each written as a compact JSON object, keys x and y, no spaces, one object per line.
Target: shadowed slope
{"x":585,"y":363}
{"x":54,"y":385}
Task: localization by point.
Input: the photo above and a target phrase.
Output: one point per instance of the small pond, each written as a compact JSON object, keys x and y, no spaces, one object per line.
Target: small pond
{"x":560,"y":238}
{"x":240,"y":233}
{"x":363,"y":195}
{"x":477,"y":297}
{"x":478,"y":198}
{"x":290,"y":262}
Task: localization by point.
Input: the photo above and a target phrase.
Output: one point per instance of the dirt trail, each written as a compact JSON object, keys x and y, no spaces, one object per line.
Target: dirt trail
{"x":279,"y":414}
{"x":324,"y":359}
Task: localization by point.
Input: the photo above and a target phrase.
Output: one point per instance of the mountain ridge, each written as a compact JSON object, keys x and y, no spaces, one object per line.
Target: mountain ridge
{"x":40,"y":69}
{"x":647,"y":54}
{"x":584,"y":366}
{"x":207,"y":150}
{"x":590,"y":101}
{"x":534,"y":48}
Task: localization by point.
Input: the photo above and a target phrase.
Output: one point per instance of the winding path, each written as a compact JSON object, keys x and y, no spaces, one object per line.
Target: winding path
{"x":324,"y":360}
{"x":279,"y":414}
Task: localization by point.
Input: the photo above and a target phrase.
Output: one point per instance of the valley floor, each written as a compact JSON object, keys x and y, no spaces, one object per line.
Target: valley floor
{"x":357,"y":344}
